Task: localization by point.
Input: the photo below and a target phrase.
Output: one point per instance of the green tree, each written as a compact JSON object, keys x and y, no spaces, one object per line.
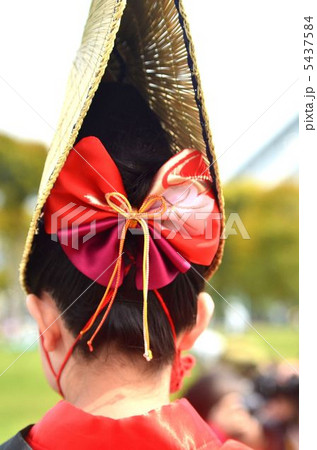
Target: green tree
{"x":20,"y":172}
{"x":264,"y":268}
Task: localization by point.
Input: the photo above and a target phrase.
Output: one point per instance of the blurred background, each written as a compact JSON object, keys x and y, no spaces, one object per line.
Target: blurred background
{"x":249,"y":75}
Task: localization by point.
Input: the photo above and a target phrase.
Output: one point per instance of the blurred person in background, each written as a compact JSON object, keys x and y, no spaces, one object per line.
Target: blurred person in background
{"x":220,"y":399}
{"x":279,"y":414}
{"x":261,"y":412}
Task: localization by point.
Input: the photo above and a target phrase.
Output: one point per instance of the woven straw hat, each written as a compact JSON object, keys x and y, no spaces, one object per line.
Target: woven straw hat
{"x":149,"y":42}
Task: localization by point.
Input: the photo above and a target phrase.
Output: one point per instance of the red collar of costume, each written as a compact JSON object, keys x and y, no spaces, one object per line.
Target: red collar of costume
{"x":174,"y":426}
{"x":66,"y":427}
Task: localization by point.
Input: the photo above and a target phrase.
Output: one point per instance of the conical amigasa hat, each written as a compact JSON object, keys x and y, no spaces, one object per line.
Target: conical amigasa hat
{"x":149,"y":41}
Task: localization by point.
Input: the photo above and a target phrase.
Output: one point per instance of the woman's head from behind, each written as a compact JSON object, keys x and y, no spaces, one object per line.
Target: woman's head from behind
{"x":63,"y":299}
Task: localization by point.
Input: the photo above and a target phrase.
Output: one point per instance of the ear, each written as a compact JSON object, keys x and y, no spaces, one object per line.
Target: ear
{"x":205,"y":309}
{"x":45,"y":313}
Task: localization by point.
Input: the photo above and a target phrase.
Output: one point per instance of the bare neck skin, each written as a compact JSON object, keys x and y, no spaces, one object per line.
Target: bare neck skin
{"x":116,"y":389}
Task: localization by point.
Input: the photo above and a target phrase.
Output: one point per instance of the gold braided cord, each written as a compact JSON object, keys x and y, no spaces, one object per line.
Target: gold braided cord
{"x":124,"y":208}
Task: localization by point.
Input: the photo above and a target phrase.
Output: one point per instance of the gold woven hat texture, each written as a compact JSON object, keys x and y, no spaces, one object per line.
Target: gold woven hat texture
{"x":149,"y":43}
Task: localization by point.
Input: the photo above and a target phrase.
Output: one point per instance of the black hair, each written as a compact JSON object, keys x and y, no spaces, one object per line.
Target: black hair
{"x":133,"y":136}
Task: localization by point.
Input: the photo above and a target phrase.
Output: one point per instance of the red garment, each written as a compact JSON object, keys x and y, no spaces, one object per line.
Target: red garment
{"x":174,"y":426}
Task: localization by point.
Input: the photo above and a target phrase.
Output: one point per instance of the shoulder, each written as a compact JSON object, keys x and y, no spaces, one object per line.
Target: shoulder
{"x":205,"y":438}
{"x":233,"y":445}
{"x":18,"y":441}
{"x":228,"y":445}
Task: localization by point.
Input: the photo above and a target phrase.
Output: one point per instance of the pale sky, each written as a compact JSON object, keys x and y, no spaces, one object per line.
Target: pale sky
{"x":245,"y":52}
